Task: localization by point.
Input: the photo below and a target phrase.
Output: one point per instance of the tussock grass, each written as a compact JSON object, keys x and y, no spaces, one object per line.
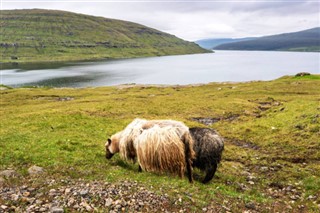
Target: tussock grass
{"x":272,"y":140}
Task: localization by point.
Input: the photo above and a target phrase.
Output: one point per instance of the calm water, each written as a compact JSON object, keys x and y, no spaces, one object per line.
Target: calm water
{"x":184,"y":69}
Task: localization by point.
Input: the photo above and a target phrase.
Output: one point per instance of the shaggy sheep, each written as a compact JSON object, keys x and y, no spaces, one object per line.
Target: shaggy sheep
{"x":159,"y":145}
{"x":208,"y":146}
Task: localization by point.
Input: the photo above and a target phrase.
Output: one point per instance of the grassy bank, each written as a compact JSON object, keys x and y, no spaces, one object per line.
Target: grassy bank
{"x":271,"y":160}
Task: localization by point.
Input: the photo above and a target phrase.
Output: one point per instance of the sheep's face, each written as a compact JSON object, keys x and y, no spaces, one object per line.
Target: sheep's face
{"x":112,"y":146}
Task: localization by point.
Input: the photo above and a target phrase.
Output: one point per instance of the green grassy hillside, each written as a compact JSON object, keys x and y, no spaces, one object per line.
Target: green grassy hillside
{"x":271,"y":161}
{"x":49,"y":35}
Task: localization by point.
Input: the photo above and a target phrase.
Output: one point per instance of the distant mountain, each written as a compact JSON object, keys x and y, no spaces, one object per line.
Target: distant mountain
{"x":50,"y":35}
{"x":306,"y":40}
{"x":213,"y":42}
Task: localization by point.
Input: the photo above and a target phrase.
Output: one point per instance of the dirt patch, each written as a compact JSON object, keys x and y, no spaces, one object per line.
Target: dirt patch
{"x":205,"y":121}
{"x":242,"y":143}
{"x":53,"y":98}
{"x":211,"y":120}
{"x":268,"y":103}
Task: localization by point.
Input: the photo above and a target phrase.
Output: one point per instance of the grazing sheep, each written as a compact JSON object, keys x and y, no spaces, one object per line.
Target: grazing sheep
{"x":159,"y":145}
{"x":208,"y":146}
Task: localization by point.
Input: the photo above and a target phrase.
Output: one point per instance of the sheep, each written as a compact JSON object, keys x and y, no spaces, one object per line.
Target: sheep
{"x":208,"y":146}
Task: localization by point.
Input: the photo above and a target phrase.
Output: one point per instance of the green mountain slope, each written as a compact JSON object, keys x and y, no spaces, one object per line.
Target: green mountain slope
{"x":49,"y":35}
{"x":306,"y":40}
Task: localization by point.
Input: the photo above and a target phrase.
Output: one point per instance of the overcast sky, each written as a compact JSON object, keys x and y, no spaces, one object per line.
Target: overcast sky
{"x":193,"y":20}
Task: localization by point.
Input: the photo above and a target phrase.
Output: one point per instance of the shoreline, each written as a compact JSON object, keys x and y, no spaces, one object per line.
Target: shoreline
{"x":135,"y":85}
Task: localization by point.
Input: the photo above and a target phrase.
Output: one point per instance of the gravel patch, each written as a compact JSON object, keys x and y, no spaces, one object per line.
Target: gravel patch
{"x":56,"y":196}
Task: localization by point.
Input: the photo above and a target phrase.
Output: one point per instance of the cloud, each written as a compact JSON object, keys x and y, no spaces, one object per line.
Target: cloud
{"x":192,"y":20}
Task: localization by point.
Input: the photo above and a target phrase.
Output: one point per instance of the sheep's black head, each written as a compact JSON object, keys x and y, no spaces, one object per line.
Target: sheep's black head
{"x":109,"y":154}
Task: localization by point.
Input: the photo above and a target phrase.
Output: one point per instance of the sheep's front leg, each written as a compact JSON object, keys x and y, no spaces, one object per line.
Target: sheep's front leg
{"x":210,"y":173}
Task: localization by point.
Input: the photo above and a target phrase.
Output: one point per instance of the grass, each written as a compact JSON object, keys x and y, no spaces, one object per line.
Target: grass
{"x":272,"y":132}
{"x":48,"y":35}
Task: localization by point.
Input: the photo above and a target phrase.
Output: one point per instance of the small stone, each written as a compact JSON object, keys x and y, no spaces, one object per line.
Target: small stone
{"x":52,"y":191}
{"x":14,"y":197}
{"x":4,"y":207}
{"x":108,"y":202}
{"x":67,"y":190}
{"x":251,"y":177}
{"x":39,"y":202}
{"x":42,"y":209}
{"x":35,"y":170}
{"x":250,"y":205}
{"x":56,"y":210}
{"x":204,"y":209}
{"x":26,"y":194}
{"x":84,"y":192}
{"x":251,"y":182}
{"x":71,"y":201}
{"x":88,"y":207}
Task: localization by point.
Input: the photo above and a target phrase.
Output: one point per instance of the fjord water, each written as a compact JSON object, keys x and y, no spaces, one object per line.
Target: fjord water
{"x":237,"y":66}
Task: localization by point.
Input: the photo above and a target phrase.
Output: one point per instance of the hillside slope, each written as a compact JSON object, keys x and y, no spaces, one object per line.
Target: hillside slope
{"x":49,"y":35}
{"x":307,"y":40}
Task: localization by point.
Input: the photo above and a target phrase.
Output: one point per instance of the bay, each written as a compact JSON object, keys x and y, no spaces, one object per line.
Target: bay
{"x":221,"y":66}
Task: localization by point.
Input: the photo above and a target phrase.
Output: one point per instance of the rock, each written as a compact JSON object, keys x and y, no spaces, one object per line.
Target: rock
{"x":56,"y":209}
{"x":42,"y":209}
{"x":53,"y":192}
{"x":26,"y":194}
{"x":264,"y":169}
{"x":302,"y":74}
{"x":83,"y":192}
{"x":4,"y":207}
{"x":108,"y":202}
{"x":14,"y":197}
{"x":251,"y":182}
{"x":8,"y":173}
{"x":67,"y":190}
{"x":35,"y":170}
{"x":250,"y":205}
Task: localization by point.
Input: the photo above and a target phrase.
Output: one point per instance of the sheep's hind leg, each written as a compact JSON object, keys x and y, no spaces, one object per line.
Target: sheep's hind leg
{"x":210,"y":173}
{"x":189,"y":172}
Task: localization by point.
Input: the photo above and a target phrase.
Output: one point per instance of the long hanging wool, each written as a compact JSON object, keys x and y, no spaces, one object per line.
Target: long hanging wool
{"x":164,"y":146}
{"x":159,"y":149}
{"x":127,"y":137}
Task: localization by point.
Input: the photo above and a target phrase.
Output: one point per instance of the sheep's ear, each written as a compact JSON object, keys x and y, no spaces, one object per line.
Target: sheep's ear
{"x":109,"y":141}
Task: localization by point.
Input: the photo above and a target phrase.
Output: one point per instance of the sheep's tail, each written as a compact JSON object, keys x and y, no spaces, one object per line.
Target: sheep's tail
{"x":190,"y":154}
